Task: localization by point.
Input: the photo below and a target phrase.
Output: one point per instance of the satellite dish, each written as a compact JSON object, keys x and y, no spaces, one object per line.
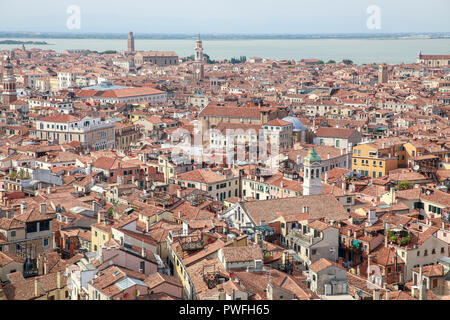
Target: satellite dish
{"x":416,"y":167}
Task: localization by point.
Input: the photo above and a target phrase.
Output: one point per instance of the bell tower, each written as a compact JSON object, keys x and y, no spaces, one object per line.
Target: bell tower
{"x":130,"y":42}
{"x":9,"y":83}
{"x":312,"y":174}
{"x":199,"y":61}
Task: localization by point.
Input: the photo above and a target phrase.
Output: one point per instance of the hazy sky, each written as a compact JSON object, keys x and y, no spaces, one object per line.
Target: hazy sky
{"x":226,"y":16}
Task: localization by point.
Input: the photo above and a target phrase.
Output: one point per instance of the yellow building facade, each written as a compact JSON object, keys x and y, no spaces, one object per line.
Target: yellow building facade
{"x":374,"y":161}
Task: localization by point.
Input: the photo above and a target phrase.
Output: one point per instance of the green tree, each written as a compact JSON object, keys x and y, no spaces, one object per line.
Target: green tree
{"x":347,"y":61}
{"x":404,"y":185}
{"x":331,"y":61}
{"x":13,"y":175}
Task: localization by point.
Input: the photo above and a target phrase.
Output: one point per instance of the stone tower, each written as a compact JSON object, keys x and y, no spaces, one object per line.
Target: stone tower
{"x":9,"y":83}
{"x":312,"y":174}
{"x":130,"y":42}
{"x":199,"y":61}
{"x":382,"y":74}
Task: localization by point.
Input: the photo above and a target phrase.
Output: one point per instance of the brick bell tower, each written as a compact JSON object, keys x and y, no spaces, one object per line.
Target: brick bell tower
{"x":9,"y":94}
{"x":130,"y":42}
{"x":199,"y":61}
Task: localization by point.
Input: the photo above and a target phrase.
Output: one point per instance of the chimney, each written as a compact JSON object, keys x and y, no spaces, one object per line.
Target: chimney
{"x":328,"y":155}
{"x":342,"y":151}
{"x":89,"y":168}
{"x":376,"y":294}
{"x":95,"y":206}
{"x":414,"y":290}
{"x":49,"y":190}
{"x":422,"y":288}
{"x":36,"y":288}
{"x":358,"y":270}
{"x":143,"y":252}
{"x":146,"y":226}
{"x":23,"y":207}
{"x":58,"y":279}
{"x":369,"y":258}
{"x":99,"y":217}
{"x":388,"y":295}
{"x":326,"y":177}
{"x":43,"y":208}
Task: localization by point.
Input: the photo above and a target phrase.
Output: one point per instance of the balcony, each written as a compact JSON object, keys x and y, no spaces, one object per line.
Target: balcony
{"x":303,"y":237}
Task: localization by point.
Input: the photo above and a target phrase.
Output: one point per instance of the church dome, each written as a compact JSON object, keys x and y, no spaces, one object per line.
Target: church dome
{"x":312,"y":156}
{"x":296,"y":123}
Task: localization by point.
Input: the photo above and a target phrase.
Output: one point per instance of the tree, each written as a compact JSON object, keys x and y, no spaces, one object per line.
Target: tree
{"x":242,"y":59}
{"x":320,"y":62}
{"x":347,"y":61}
{"x":404,"y":185}
{"x":331,"y":61}
{"x":21,"y":173}
{"x":13,"y":175}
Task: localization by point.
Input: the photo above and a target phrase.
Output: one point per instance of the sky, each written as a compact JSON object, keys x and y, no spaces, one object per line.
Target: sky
{"x":226,"y":16}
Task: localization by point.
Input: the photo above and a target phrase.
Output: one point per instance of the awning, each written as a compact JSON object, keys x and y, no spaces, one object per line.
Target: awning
{"x":296,"y":257}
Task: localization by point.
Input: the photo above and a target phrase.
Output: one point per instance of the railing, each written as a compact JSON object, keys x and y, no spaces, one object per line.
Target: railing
{"x":303,"y":237}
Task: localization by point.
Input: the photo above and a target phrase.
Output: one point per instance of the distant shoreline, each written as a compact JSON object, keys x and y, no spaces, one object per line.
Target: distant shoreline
{"x":24,"y":42}
{"x":160,"y":36}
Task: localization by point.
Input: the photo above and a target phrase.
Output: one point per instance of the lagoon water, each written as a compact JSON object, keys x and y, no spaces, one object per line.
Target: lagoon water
{"x":391,"y":51}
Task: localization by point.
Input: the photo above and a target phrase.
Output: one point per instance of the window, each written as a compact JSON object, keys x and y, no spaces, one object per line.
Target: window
{"x":435,"y":283}
{"x":31,"y":227}
{"x":313,"y":251}
{"x":442,"y":250}
{"x":45,"y":242}
{"x":425,"y":253}
{"x":433,"y":251}
{"x":44,"y":225}
{"x":13,"y":234}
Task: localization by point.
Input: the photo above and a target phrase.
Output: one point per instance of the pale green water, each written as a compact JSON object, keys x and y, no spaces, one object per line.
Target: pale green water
{"x":359,"y":50}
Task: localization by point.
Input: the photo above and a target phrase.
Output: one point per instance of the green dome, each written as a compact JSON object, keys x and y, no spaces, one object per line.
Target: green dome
{"x":312,"y":156}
